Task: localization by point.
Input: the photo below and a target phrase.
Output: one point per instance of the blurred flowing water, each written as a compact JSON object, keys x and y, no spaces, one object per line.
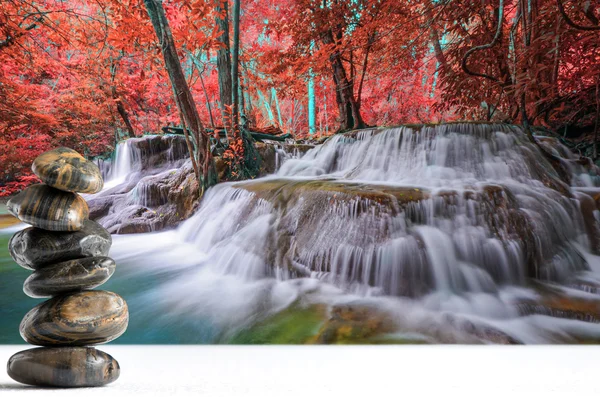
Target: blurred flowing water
{"x":458,"y":233}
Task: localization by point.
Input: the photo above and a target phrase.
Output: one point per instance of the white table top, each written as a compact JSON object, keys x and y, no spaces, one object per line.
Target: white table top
{"x":314,"y":371}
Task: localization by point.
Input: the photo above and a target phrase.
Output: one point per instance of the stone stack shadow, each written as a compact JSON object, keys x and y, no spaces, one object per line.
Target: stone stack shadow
{"x":68,"y":255}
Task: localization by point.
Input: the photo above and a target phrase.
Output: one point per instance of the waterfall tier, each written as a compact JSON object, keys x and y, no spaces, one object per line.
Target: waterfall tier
{"x":454,"y":233}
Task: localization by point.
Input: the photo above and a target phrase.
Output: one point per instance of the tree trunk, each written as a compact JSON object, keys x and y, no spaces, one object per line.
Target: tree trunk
{"x":200,"y":155}
{"x":350,"y":117}
{"x":370,"y":42}
{"x":588,"y":11}
{"x":118,"y":102}
{"x":274,"y":99}
{"x":224,"y":63}
{"x":595,"y":153}
{"x":201,"y":69}
{"x":312,"y":111}
{"x":123,"y":113}
{"x":235,"y":76}
{"x":248,"y":101}
{"x":250,"y":162}
{"x":435,"y":40}
{"x":212,"y":120}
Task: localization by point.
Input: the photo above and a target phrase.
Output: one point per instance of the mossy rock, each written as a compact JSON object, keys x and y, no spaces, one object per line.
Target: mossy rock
{"x":349,"y":324}
{"x":301,"y":148}
{"x":295,"y":325}
{"x":554,"y":302}
{"x":318,"y":324}
{"x":284,"y":192}
{"x":268,"y":154}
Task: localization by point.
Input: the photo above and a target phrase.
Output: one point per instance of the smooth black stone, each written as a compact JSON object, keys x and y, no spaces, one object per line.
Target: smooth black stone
{"x":78,"y":319}
{"x":69,"y":276}
{"x":34,"y":248}
{"x":65,"y":169}
{"x":63,"y":367}
{"x":48,"y":208}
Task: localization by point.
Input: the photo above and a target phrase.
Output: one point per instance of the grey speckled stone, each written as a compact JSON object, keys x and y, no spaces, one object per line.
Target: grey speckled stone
{"x":69,"y":276}
{"x":34,"y":248}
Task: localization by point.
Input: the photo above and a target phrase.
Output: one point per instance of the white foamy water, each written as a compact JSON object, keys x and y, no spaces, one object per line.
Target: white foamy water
{"x":448,"y":230}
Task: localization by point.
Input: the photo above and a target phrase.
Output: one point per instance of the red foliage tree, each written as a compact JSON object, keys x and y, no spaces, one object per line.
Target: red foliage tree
{"x":86,"y":74}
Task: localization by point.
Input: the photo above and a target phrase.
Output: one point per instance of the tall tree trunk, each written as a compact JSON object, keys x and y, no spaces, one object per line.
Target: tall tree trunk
{"x":212,"y":120}
{"x":370,"y":42}
{"x":248,"y":98}
{"x":595,"y":152}
{"x":274,"y":99}
{"x":312,"y":111}
{"x":235,"y":75}
{"x":195,"y":135}
{"x":249,"y":164}
{"x":200,"y":67}
{"x":526,"y":31}
{"x":434,"y":37}
{"x":241,"y":94}
{"x":350,"y":117}
{"x":224,"y":63}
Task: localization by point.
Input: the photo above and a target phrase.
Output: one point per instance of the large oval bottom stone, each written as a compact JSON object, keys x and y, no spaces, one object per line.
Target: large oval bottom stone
{"x":63,"y":367}
{"x":78,"y":319}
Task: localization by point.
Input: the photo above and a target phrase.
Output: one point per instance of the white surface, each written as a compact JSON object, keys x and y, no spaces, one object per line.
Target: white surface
{"x":340,"y":371}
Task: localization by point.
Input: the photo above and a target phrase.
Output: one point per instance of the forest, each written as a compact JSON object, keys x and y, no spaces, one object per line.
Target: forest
{"x":88,"y":74}
{"x":303,"y":171}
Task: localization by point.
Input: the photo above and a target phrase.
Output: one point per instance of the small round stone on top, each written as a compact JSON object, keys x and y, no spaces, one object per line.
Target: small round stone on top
{"x":65,"y":169}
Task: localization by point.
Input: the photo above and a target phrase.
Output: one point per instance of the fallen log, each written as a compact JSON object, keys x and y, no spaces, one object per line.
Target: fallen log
{"x":278,"y":138}
{"x":257,"y":135}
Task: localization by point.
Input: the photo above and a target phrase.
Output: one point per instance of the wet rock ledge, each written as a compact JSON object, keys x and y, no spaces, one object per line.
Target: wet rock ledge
{"x":161,"y":190}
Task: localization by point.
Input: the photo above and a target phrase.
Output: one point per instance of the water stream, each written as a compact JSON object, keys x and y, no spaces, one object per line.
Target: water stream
{"x":459,"y":233}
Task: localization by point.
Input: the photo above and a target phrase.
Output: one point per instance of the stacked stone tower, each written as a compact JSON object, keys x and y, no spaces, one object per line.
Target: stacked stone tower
{"x":68,"y":255}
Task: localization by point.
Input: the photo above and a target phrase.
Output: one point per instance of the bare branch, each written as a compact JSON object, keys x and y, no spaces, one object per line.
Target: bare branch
{"x":570,"y":22}
{"x":465,"y":67}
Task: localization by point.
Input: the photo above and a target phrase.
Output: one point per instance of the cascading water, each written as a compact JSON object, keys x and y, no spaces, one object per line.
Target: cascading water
{"x":456,"y":233}
{"x":145,"y":155}
{"x":124,"y":160}
{"x":135,"y":181}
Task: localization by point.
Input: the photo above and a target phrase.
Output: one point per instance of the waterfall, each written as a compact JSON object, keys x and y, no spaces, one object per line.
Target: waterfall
{"x":147,"y":155}
{"x":443,"y":227}
{"x":138,"y":180}
{"x":123,"y":163}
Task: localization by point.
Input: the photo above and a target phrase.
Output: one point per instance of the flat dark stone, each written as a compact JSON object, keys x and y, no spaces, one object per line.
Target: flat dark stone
{"x":78,"y":319}
{"x":65,"y":169}
{"x":51,"y":209}
{"x":70,"y":276}
{"x":63,"y":367}
{"x":34,"y":248}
